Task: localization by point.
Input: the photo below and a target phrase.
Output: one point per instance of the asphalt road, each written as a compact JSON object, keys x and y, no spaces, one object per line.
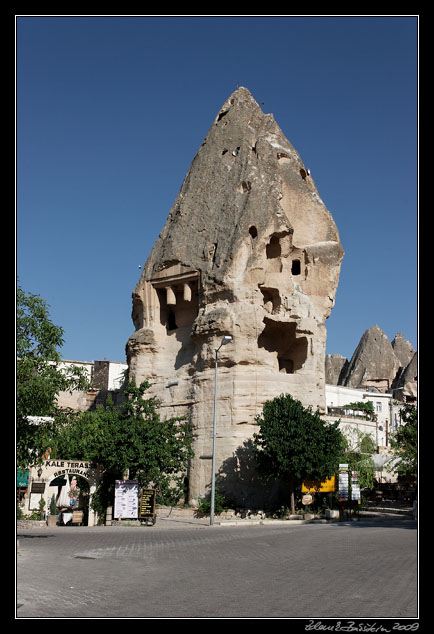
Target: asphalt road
{"x":179,"y":570}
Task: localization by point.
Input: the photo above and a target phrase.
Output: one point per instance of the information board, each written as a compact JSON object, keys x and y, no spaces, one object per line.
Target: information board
{"x":343,"y":482}
{"x":147,"y":504}
{"x":126,"y":499}
{"x":355,"y":487}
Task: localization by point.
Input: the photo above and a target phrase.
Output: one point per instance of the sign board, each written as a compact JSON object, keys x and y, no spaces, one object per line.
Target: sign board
{"x":22,"y":479}
{"x":147,"y":504}
{"x":343,"y":482}
{"x":315,"y":486}
{"x":306,"y":499}
{"x":355,"y":487}
{"x":126,"y":499}
{"x":38,"y":487}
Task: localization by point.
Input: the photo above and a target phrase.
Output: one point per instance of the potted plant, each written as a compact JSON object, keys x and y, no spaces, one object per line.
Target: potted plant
{"x":52,"y":517}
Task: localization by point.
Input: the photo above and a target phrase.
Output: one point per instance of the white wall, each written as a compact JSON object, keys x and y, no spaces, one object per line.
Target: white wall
{"x":339,"y":396}
{"x":116,"y":378}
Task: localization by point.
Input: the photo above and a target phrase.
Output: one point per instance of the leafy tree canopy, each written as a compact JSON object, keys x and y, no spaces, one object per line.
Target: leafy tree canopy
{"x":131,"y":438}
{"x":404,"y":443}
{"x":362,"y":406}
{"x":358,"y":450}
{"x":295,"y":443}
{"x":39,"y":377}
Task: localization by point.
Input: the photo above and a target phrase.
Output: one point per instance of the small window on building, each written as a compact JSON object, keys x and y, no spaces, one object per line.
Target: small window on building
{"x":379,"y":406}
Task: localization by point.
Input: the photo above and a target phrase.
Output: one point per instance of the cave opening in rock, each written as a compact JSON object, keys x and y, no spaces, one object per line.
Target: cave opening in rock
{"x":296,"y":267}
{"x":280,"y":338}
{"x":171,"y":321}
{"x":273,"y":248}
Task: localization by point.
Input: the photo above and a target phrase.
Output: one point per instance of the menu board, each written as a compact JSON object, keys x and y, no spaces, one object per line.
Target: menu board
{"x":126,"y":499}
{"x":355,"y":486}
{"x":343,"y":482}
{"x":147,"y":504}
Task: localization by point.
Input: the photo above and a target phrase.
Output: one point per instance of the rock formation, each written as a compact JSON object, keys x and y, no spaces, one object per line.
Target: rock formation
{"x":377,"y":363}
{"x":408,"y":381}
{"x":374,"y":363}
{"x":335,"y":367}
{"x":403,"y":350}
{"x":248,"y":250}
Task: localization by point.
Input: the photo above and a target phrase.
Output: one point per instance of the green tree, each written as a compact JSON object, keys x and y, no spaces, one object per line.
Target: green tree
{"x":295,"y":444}
{"x":358,"y":450}
{"x":367,"y":407}
{"x":39,"y":378}
{"x":131,"y":438}
{"x":404,"y":443}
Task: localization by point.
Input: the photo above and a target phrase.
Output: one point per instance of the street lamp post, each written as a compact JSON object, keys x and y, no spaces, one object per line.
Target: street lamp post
{"x":226,"y":339}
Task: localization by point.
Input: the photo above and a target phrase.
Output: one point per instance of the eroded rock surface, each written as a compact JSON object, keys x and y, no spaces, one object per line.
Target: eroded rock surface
{"x":248,"y":250}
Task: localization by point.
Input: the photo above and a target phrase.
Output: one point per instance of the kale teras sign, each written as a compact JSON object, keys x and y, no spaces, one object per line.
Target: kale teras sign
{"x":88,"y":470}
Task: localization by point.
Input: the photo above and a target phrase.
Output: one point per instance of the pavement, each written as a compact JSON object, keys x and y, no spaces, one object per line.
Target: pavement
{"x":238,"y":568}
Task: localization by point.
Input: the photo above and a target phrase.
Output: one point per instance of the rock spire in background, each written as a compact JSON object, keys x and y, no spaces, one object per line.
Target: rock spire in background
{"x":377,"y":363}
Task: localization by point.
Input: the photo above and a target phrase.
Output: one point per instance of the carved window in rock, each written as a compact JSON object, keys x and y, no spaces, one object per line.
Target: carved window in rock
{"x":273,"y":248}
{"x":273,"y":252}
{"x":179,"y":303}
{"x":296,"y":267}
{"x":271,"y":299}
{"x":171,"y":321}
{"x":280,"y":340}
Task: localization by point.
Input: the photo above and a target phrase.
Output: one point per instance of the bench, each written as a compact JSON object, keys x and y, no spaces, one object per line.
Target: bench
{"x":77,"y":517}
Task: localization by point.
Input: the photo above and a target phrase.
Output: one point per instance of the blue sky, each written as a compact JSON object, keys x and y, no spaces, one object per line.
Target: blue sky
{"x":111,"y":111}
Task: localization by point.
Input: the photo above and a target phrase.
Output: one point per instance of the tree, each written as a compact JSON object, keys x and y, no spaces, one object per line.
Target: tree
{"x":404,"y":443}
{"x":295,"y":444}
{"x":367,"y":407}
{"x":358,"y":450}
{"x":39,"y":378}
{"x":131,"y":437}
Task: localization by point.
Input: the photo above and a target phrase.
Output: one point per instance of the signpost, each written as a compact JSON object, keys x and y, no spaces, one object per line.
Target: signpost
{"x":147,"y":506}
{"x":306,"y":499}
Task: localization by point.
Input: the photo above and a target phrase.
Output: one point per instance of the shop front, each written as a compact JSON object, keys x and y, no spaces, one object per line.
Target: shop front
{"x":57,"y":482}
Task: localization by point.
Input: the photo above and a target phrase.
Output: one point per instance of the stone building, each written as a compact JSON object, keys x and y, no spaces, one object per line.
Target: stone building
{"x":248,"y":250}
{"x":106,"y":377}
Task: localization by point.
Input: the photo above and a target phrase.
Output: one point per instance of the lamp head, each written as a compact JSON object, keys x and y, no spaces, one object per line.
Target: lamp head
{"x":226,"y":339}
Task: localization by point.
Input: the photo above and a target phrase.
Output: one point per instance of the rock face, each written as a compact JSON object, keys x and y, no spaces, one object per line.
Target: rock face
{"x":378,"y":363}
{"x":374,"y":363}
{"x":403,"y":350}
{"x":248,"y":250}
{"x":335,"y":367}
{"x":408,"y":381}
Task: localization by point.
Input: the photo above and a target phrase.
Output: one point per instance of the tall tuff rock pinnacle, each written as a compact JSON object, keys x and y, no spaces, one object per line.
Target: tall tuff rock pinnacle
{"x":377,"y":363}
{"x":250,"y":250}
{"x":373,"y":364}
